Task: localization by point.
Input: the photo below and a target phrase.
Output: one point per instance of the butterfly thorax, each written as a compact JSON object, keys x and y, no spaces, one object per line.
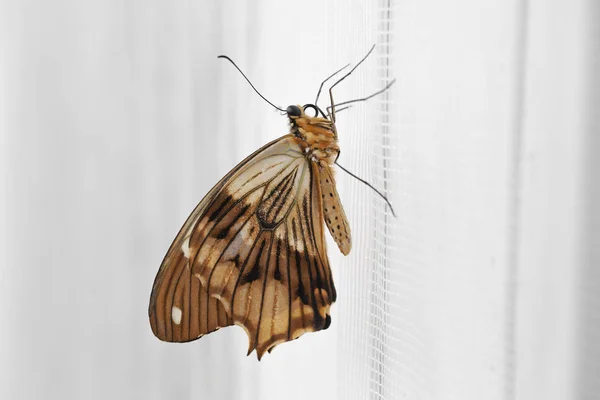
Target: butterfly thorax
{"x":316,"y":137}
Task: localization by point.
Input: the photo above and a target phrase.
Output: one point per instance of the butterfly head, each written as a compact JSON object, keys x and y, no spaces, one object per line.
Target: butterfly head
{"x":294,"y":112}
{"x":316,"y":135}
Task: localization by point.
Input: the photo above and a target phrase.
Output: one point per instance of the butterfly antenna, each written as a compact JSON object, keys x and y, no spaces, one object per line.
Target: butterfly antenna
{"x":248,"y":80}
{"x":369,"y":185}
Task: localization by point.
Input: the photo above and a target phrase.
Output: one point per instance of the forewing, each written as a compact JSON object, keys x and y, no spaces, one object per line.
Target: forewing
{"x":180,"y":309}
{"x":256,"y":250}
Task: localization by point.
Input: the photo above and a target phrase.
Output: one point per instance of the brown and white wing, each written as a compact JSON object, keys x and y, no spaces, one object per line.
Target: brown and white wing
{"x":252,"y":254}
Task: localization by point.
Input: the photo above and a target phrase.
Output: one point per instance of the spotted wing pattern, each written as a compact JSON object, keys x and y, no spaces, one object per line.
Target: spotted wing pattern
{"x":252,"y":254}
{"x":335,"y":217}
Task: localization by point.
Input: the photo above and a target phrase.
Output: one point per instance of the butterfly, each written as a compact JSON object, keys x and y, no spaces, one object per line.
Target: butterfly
{"x":253,"y":251}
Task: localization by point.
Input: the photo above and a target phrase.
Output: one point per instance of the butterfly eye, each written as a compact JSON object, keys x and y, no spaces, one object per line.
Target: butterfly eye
{"x":293,"y":111}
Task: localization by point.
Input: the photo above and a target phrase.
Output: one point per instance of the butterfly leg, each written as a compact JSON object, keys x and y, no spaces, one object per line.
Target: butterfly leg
{"x":332,"y":114}
{"x":328,"y":78}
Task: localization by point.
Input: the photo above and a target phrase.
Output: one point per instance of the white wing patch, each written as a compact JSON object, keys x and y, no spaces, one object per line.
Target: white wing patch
{"x":176,"y":315}
{"x":185,"y":247}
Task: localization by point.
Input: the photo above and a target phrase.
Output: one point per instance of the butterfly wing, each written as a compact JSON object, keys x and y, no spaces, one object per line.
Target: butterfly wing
{"x":252,"y":254}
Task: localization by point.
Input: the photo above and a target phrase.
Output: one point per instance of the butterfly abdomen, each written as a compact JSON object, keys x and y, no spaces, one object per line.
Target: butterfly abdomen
{"x":333,"y":212}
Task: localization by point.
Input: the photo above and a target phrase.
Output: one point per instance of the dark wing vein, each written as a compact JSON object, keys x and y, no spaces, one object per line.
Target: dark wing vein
{"x":262,"y":298}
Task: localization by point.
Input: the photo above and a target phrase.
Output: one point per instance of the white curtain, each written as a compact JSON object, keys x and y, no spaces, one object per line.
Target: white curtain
{"x":117,"y":117}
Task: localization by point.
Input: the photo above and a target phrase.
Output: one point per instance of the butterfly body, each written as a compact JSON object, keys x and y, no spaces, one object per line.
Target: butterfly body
{"x":253,"y":251}
{"x":317,"y":136}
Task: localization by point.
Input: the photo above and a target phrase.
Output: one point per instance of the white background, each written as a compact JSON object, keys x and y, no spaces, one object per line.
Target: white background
{"x":116,"y":118}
